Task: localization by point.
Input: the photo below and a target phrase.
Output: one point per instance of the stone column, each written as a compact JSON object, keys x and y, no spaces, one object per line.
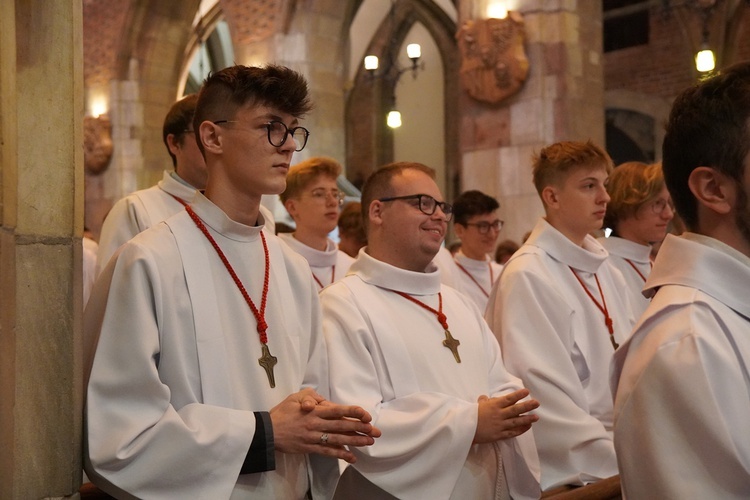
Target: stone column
{"x":562,"y":99}
{"x":41,"y":209}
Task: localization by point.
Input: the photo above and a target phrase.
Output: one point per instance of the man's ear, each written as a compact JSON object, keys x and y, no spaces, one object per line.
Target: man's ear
{"x":172,"y":144}
{"x":712,"y":189}
{"x":549,"y":196}
{"x":291,"y":207}
{"x":375,"y":212}
{"x":211,"y":137}
{"x":459,"y":229}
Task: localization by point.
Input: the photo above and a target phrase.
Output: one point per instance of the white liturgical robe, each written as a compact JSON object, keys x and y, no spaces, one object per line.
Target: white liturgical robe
{"x":449,"y":272}
{"x":326,"y":265}
{"x":634,"y":262}
{"x":142,"y":209}
{"x":175,"y":378}
{"x":477,"y":277}
{"x":554,"y":337}
{"x":682,"y":405}
{"x":386,"y":353}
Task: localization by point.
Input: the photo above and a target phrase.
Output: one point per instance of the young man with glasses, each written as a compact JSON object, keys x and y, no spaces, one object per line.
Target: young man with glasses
{"x":314,"y":202}
{"x":477,"y":226}
{"x":638,"y":214}
{"x":681,"y":382}
{"x":145,"y":208}
{"x":211,"y":371}
{"x":420,"y":358}
{"x":559,"y":311}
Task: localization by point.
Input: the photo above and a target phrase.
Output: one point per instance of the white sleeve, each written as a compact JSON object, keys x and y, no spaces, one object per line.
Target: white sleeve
{"x":533,"y":325}
{"x":681,"y":412}
{"x":135,"y":436}
{"x":127,"y":218}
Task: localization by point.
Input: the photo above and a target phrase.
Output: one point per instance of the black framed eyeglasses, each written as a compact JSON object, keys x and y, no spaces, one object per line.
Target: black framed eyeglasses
{"x":484,"y":226}
{"x":426,"y":204}
{"x":278,"y":133}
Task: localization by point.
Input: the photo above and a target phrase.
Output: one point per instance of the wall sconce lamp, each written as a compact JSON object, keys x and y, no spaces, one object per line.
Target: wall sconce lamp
{"x":392,"y":73}
{"x":391,"y":70}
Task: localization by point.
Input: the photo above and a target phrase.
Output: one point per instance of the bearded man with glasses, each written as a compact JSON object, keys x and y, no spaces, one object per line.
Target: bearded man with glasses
{"x":478,"y":227}
{"x":314,"y":202}
{"x":455,"y":423}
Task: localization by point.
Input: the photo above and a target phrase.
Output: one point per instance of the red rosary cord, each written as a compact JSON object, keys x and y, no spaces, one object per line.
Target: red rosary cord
{"x":442,"y":319}
{"x":260,"y":315}
{"x":603,"y":306}
{"x":466,"y":271}
{"x":636,"y":269}
{"x":333,"y":277}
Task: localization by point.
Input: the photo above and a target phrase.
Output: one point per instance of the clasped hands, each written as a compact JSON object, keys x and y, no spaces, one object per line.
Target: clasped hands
{"x":306,"y":423}
{"x":504,"y":417}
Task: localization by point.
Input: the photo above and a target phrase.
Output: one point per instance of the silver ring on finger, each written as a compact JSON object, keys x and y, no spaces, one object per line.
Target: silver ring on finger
{"x":324,"y":438}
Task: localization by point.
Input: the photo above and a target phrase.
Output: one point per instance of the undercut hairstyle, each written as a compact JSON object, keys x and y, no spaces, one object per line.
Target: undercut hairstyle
{"x":303,"y":174}
{"x":707,"y":127}
{"x":555,"y":162}
{"x":378,"y":184}
{"x":226,"y":91}
{"x":471,"y":203}
{"x":179,"y":122}
{"x":350,"y":222}
{"x":631,"y":185}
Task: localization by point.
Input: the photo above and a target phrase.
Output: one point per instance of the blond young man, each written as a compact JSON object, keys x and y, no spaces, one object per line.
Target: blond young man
{"x":314,"y":200}
{"x":559,"y":314}
{"x":638,"y":214}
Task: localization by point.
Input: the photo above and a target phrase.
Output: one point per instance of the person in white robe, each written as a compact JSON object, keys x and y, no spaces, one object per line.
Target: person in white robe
{"x":681,"y":382}
{"x":142,"y":209}
{"x":314,"y":201}
{"x":478,"y":227}
{"x":638,"y":216}
{"x":203,"y":384}
{"x":559,"y":312}
{"x":449,"y":271}
{"x":455,"y":423}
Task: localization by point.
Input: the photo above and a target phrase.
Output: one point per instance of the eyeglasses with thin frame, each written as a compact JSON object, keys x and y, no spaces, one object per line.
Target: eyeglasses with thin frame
{"x":322,"y":194}
{"x":426,"y":204}
{"x":484,"y":226}
{"x":659,"y":205}
{"x":278,"y":133}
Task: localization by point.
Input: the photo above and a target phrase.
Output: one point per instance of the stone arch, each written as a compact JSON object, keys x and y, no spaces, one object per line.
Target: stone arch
{"x":654,"y":108}
{"x":370,"y":142}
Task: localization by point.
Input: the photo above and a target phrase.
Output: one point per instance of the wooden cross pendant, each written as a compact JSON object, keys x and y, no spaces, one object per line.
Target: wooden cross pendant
{"x":614,"y":343}
{"x":452,"y":344}
{"x":268,"y":362}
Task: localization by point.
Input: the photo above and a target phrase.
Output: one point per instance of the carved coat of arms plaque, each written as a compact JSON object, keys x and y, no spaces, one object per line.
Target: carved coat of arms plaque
{"x":494,"y":63}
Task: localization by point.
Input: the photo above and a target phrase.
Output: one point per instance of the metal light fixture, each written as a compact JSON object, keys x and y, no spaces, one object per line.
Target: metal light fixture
{"x":391,"y":70}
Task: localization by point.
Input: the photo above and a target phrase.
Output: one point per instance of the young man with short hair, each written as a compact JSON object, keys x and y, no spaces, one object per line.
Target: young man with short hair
{"x":142,"y":209}
{"x":211,"y":371}
{"x":478,"y":227}
{"x":559,"y":312}
{"x":681,"y":382}
{"x":314,"y":200}
{"x":454,"y":421}
{"x":638,"y":214}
